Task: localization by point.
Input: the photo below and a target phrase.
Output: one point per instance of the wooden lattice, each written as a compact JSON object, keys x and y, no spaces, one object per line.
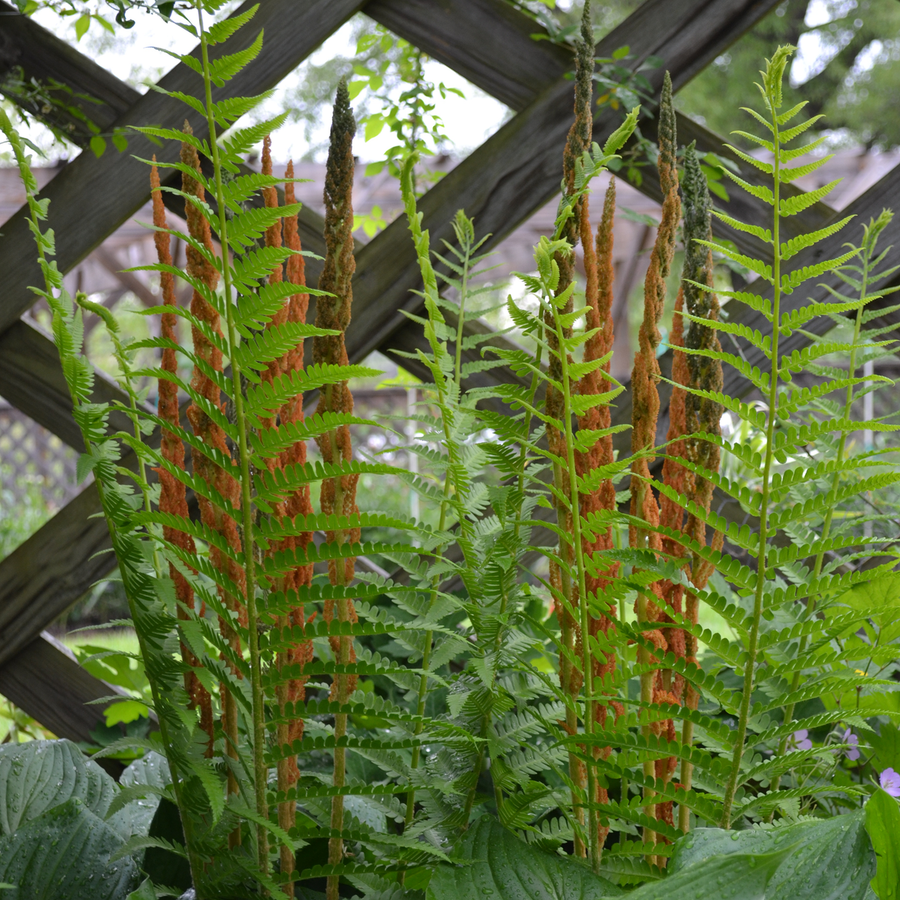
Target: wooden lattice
{"x":514,"y":173}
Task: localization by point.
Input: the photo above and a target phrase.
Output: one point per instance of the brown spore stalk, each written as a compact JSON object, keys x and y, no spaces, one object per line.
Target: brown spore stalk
{"x":701,"y":414}
{"x":599,"y":272}
{"x":172,"y":495}
{"x":211,"y":434}
{"x":338,"y":494}
{"x":292,"y":692}
{"x":645,"y":415}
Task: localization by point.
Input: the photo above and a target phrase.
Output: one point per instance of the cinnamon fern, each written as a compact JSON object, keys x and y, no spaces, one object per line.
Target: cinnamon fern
{"x":332,"y":725}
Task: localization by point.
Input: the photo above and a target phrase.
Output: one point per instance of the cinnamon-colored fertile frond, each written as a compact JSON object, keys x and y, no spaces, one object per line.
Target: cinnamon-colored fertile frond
{"x":211,"y":434}
{"x":172,"y":493}
{"x":340,"y":264}
{"x":645,"y":396}
{"x":655,"y":685}
{"x":273,"y":239}
{"x":293,"y":691}
{"x":598,"y":297}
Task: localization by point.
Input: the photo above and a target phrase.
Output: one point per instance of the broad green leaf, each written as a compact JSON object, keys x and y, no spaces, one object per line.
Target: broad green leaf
{"x":883,"y":591}
{"x":505,"y":868}
{"x":40,"y":775}
{"x":124,"y":711}
{"x":828,"y":859}
{"x":886,"y":745}
{"x":135,"y":817}
{"x":65,"y":853}
{"x":739,"y":876}
{"x":883,"y":825}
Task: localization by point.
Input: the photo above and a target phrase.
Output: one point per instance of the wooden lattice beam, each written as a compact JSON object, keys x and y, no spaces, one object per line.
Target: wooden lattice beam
{"x":39,"y":54}
{"x":51,"y":686}
{"x":91,"y":197}
{"x":31,"y":379}
{"x":491,"y":44}
{"x":502,"y":183}
{"x":518,"y":169}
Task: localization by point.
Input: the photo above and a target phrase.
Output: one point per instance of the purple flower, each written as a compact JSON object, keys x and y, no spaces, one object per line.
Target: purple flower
{"x":890,"y":782}
{"x":849,"y":738}
{"x":799,"y":740}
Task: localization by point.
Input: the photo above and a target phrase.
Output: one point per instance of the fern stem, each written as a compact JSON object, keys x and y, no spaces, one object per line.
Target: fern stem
{"x":258,"y":700}
{"x":442,"y":522}
{"x":762,"y":547}
{"x":829,"y":515}
{"x":594,"y":850}
{"x":195,"y":860}
{"x":336,"y":841}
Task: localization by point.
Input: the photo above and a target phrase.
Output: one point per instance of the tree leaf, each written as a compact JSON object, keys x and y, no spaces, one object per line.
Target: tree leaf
{"x":883,"y":825}
{"x":65,"y":853}
{"x":505,"y":868}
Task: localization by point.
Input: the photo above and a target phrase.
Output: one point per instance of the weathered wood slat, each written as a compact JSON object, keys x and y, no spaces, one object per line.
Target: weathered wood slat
{"x":490,"y":43}
{"x":31,"y":378}
{"x":519,"y":169}
{"x":91,"y":197}
{"x":45,"y":680}
{"x":46,"y":574}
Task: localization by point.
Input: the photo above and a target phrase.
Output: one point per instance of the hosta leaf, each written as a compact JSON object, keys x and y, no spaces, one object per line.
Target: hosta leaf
{"x":40,"y":775}
{"x":827,"y":859}
{"x":65,"y":853}
{"x":505,"y":868}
